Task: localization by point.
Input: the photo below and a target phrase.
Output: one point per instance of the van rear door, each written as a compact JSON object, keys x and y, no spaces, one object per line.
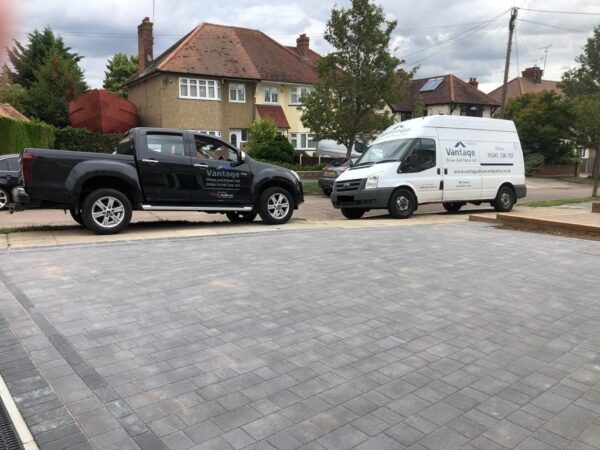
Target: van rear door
{"x":460,"y":163}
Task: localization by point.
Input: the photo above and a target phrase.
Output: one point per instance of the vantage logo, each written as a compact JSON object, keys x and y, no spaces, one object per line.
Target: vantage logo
{"x":460,"y":149}
{"x":459,"y":144}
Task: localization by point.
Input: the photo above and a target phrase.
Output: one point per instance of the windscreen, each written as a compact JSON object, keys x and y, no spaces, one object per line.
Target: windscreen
{"x":384,"y":152}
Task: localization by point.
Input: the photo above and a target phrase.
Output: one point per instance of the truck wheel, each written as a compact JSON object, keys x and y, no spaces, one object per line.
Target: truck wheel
{"x":3,"y":199}
{"x":402,"y":204}
{"x":240,"y":216}
{"x":505,"y":199}
{"x":275,"y":206}
{"x":453,"y":207}
{"x":106,"y":211}
{"x":353,"y":213}
{"x":76,"y":215}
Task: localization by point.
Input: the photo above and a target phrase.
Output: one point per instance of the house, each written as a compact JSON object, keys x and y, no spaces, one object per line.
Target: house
{"x":530,"y":83}
{"x":219,"y":78}
{"x":446,"y":94}
{"x":9,"y":111}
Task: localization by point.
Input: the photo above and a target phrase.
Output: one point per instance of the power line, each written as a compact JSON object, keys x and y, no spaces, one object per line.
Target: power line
{"x":560,"y":27}
{"x":562,"y":12}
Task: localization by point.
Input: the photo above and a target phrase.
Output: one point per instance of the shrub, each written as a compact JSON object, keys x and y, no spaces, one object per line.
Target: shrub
{"x":16,"y":135}
{"x":533,"y":162}
{"x":280,"y":150}
{"x":84,"y":140}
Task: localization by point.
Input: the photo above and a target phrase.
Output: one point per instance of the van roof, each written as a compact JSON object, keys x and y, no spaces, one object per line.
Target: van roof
{"x":443,"y":121}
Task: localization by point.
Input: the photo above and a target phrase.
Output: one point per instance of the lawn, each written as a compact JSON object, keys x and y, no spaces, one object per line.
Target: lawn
{"x":311,"y":187}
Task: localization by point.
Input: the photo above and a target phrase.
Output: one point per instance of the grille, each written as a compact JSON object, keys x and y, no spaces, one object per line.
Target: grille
{"x":348,"y":185}
{"x":8,"y":437}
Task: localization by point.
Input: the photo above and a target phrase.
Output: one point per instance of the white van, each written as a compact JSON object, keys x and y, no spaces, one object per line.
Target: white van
{"x":437,"y":159}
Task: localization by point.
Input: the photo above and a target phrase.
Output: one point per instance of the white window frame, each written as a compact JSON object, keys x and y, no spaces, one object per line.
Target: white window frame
{"x":239,"y":89}
{"x":242,"y":132}
{"x":199,"y":83}
{"x":269,"y":91}
{"x":297,"y":141}
{"x":298,"y":92}
{"x":215,"y":133}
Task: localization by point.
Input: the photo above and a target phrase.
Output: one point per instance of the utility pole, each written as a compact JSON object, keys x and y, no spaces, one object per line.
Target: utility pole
{"x":511,"y":29}
{"x":545,"y":54}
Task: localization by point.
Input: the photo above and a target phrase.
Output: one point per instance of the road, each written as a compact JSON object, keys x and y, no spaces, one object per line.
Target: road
{"x":315,"y":207}
{"x":436,"y":337}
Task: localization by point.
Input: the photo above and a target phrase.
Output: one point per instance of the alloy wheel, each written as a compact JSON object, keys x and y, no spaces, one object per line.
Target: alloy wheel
{"x":278,"y":205}
{"x":108,"y":212}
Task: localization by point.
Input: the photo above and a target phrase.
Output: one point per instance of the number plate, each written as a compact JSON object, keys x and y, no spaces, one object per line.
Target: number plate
{"x":329,"y":173}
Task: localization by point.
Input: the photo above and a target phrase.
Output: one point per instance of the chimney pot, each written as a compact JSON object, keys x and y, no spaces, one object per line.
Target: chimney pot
{"x":302,"y":45}
{"x":473,"y":82}
{"x":533,"y":73}
{"x":145,"y":44}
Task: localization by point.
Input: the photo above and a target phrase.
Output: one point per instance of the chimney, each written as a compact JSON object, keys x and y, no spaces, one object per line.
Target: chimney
{"x":533,"y":73}
{"x":145,"y":44}
{"x":302,"y":45}
{"x":473,"y":82}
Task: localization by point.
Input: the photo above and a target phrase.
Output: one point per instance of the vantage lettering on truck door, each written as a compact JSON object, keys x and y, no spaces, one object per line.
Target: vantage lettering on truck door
{"x":221,"y":179}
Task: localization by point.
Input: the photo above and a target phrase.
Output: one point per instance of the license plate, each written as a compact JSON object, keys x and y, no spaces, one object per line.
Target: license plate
{"x":329,"y":173}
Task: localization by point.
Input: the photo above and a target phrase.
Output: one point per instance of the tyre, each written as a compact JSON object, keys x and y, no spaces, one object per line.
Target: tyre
{"x":76,"y":215}
{"x":505,"y":199}
{"x":353,"y":213}
{"x":106,"y":211}
{"x":402,"y":204}
{"x":326,"y":191}
{"x":275,"y":205}
{"x":4,"y":197}
{"x":241,"y":216}
{"x":453,"y":207}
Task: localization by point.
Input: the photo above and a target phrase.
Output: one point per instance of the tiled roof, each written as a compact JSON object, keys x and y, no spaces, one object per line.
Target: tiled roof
{"x":313,"y":57}
{"x":232,"y":52}
{"x":273,"y":112}
{"x":7,"y":110}
{"x":521,"y":86}
{"x":452,"y":90}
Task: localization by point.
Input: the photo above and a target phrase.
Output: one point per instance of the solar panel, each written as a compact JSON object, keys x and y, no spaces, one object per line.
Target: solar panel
{"x":431,"y":85}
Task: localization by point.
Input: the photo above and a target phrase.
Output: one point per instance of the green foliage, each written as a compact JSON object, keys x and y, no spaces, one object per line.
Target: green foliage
{"x":356,"y":79}
{"x":57,"y":83}
{"x":120,"y":68}
{"x":586,"y":109}
{"x":533,"y":162}
{"x":12,"y":93}
{"x":419,"y":108}
{"x":26,"y":60}
{"x":81,"y":139}
{"x":584,"y":79}
{"x":280,"y":150}
{"x":544,"y":122}
{"x":261,"y":131}
{"x":16,"y":135}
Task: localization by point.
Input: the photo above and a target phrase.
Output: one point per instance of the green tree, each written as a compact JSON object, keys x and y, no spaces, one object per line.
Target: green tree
{"x":586,"y":109}
{"x":261,"y":131}
{"x":119,"y":69}
{"x":585,"y":78}
{"x":419,"y":108}
{"x":11,"y":92}
{"x":26,"y":60}
{"x":544,"y":122}
{"x":57,"y":83}
{"x":356,"y":79}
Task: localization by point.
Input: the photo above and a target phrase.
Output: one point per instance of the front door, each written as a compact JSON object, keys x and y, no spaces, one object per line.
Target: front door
{"x":235,"y":138}
{"x":221,"y":177}
{"x":422,"y":169}
{"x":165,"y":168}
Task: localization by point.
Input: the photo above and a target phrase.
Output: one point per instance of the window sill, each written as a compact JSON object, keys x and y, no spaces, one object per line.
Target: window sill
{"x":236,"y":101}
{"x":199,"y":98}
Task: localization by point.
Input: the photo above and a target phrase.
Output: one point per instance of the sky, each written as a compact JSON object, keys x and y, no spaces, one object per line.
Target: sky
{"x":465,"y":37}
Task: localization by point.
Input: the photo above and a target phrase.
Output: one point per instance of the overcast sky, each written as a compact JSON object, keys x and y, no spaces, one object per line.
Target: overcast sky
{"x":463,"y":37}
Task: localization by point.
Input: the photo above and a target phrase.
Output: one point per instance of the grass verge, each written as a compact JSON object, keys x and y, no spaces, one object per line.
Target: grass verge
{"x":560,"y":202}
{"x":311,"y":187}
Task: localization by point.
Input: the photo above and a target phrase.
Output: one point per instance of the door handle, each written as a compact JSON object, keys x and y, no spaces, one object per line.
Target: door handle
{"x":204,"y":166}
{"x":439,"y":171}
{"x":445,"y":171}
{"x":150,"y":161}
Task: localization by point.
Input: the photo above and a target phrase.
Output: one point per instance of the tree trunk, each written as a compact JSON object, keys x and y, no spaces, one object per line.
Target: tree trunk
{"x":349,"y":149}
{"x":596,"y":172}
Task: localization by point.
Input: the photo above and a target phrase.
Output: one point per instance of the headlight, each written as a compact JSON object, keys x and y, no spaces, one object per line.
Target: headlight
{"x":372,"y":181}
{"x":296,"y":174}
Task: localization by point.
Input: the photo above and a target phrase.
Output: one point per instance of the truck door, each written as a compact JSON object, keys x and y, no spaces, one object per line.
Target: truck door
{"x":165,"y":168}
{"x":220,"y":175}
{"x":421,"y":167}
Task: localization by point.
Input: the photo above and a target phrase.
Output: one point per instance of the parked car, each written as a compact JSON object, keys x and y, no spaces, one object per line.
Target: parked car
{"x":9,"y":178}
{"x":331,"y":172}
{"x":331,"y":149}
{"x":156,"y":169}
{"x":435,"y":159}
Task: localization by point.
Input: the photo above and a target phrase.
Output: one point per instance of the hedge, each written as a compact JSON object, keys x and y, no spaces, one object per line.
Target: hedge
{"x":16,"y":135}
{"x":81,"y":139}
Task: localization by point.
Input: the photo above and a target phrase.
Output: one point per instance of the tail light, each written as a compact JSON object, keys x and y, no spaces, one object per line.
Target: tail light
{"x":27,"y":161}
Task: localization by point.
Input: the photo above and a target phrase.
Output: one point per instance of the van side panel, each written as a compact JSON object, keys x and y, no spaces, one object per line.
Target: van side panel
{"x":501,"y":162}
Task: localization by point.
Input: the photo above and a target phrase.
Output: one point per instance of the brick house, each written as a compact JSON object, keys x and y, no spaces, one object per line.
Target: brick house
{"x":447,"y":95}
{"x":530,"y":83}
{"x":218,"y":79}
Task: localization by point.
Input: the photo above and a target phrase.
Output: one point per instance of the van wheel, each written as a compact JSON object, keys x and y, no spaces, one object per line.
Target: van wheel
{"x":505,"y":200}
{"x":402,"y":204}
{"x":240,"y":216}
{"x":106,"y":211}
{"x":76,"y":215}
{"x":353,"y":213}
{"x":276,"y":206}
{"x":453,"y":207}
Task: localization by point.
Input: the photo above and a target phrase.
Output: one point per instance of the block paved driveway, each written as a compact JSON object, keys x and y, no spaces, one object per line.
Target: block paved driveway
{"x":428,"y":337}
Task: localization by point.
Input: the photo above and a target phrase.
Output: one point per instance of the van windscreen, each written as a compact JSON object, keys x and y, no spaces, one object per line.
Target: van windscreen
{"x":384,"y":152}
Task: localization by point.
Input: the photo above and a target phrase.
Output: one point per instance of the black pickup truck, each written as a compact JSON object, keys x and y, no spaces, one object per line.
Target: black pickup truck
{"x":156,"y":169}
